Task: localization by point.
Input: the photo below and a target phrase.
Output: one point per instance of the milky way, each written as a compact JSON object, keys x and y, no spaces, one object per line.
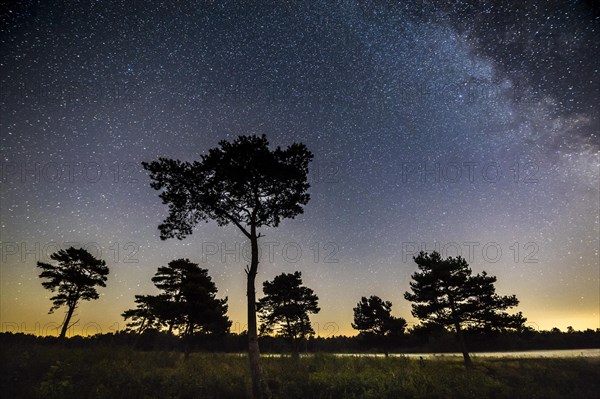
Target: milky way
{"x":471,"y":128}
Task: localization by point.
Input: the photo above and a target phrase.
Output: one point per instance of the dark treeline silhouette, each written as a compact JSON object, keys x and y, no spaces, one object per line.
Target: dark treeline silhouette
{"x":415,"y":340}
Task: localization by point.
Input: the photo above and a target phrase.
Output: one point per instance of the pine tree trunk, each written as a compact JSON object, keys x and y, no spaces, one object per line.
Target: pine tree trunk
{"x":459,"y":334}
{"x":253,"y":350}
{"x":65,"y":326}
{"x":293,"y":340}
{"x":186,"y":343}
{"x":295,"y":348}
{"x":463,"y":346}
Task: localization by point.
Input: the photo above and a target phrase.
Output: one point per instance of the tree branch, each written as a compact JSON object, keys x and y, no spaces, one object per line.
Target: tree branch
{"x":237,"y":224}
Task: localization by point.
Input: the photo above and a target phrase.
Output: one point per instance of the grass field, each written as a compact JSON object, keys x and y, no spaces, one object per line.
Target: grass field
{"x":118,"y":372}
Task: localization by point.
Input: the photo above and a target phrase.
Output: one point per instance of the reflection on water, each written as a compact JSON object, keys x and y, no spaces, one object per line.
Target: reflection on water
{"x":516,"y":354}
{"x":551,"y":353}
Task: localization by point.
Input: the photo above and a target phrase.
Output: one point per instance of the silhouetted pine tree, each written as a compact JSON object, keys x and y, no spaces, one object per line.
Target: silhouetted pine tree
{"x":445,"y":292}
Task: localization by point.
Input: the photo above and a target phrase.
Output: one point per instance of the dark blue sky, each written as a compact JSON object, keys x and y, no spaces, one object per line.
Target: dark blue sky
{"x":468,"y":127}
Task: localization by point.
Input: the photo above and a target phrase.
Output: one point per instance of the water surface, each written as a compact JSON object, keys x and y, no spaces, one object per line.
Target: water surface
{"x":553,"y":353}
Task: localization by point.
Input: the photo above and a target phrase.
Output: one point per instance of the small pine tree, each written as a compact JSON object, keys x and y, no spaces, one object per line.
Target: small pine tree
{"x":74,"y":278}
{"x":285,"y":308}
{"x":444,"y":292}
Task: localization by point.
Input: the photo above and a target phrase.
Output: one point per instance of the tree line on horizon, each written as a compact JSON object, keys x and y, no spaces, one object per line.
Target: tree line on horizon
{"x":417,"y":338}
{"x":247,"y":184}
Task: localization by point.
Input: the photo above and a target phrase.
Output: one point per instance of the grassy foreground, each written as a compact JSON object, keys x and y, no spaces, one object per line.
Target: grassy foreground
{"x":117,"y":372}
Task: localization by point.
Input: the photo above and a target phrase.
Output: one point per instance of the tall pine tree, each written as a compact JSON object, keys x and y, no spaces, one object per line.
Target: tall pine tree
{"x":244,"y":183}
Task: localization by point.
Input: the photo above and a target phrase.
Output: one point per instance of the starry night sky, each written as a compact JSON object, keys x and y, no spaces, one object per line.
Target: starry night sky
{"x":469,"y":127}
